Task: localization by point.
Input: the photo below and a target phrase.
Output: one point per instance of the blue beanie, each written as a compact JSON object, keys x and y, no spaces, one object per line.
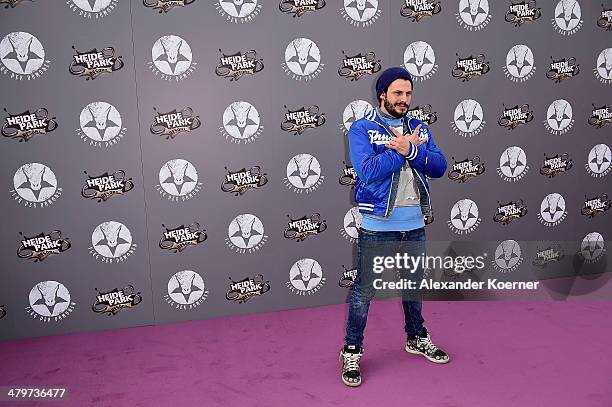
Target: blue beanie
{"x":388,"y":76}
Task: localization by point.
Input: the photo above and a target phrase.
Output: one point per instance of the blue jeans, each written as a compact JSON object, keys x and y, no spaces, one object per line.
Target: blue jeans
{"x":372,"y":244}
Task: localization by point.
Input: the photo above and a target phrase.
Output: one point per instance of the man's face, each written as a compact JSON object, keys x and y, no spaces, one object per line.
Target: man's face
{"x":396,"y":100}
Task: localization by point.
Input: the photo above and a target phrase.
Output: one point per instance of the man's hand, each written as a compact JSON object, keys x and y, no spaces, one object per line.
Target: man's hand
{"x":401,"y":143}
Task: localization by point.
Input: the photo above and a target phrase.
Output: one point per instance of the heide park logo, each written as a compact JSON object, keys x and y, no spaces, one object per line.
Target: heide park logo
{"x":548,"y":255}
{"x":43,"y":245}
{"x":423,"y":113}
{"x":89,"y":9}
{"x":509,"y":211}
{"x":595,"y":205}
{"x":461,"y":171}
{"x":348,"y":177}
{"x":298,"y":121}
{"x":22,"y":56}
{"x":348,"y":277}
{"x":11,"y":4}
{"x":356,"y":66}
{"x":605,"y":19}
{"x":562,"y":69}
{"x":24,"y":126}
{"x":301,"y":228}
{"x":522,"y":11}
{"x":515,"y":116}
{"x":247,"y":288}
{"x":235,"y":66}
{"x":172,"y":123}
{"x":298,"y":8}
{"x":600,"y":116}
{"x":240,"y":181}
{"x":470,"y":67}
{"x":113,"y":301}
{"x":102,"y":187}
{"x":417,"y":10}
{"x":91,"y":64}
{"x":556,"y":164}
{"x":164,"y":6}
{"x":179,"y":238}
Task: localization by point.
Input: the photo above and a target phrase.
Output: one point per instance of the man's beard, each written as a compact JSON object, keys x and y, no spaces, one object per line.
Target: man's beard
{"x":391,"y":109}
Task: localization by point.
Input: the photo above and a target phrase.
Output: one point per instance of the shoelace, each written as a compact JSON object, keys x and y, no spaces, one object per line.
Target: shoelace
{"x":428,"y":344}
{"x":351,"y":361}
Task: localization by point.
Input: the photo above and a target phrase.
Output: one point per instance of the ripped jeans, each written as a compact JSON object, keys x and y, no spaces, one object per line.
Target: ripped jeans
{"x":372,"y":244}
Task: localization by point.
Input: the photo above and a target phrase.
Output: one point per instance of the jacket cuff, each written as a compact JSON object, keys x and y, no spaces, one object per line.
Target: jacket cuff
{"x":413,"y":152}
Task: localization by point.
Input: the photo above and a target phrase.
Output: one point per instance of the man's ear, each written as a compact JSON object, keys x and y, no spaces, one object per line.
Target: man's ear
{"x":380,"y":98}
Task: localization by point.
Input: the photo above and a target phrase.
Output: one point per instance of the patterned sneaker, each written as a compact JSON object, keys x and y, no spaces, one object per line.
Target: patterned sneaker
{"x":422,"y":345}
{"x":350,"y":357}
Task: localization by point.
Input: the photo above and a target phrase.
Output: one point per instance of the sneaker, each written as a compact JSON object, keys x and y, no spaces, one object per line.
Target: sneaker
{"x":422,"y":345}
{"x":350,"y":356}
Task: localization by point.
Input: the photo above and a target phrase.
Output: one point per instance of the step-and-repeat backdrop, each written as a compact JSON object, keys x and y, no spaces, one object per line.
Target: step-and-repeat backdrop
{"x":168,"y":160}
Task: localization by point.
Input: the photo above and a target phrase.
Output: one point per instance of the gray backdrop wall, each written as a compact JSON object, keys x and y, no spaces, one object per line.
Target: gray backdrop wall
{"x":175,"y":160}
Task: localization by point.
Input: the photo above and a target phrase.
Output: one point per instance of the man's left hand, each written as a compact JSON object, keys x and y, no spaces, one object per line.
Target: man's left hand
{"x":401,"y":142}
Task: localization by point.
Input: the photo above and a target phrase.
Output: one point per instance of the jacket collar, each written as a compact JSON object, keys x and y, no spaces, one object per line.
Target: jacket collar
{"x":373,"y":116}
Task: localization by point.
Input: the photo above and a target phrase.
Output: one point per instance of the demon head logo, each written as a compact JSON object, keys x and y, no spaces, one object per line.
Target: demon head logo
{"x":420,"y":60}
{"x":508,"y":256}
{"x":186,"y":288}
{"x":513,"y":163}
{"x":354,"y":111}
{"x":303,"y":171}
{"x":111,"y":239}
{"x":241,"y":121}
{"x":35,"y":182}
{"x":100,"y":121}
{"x":22,"y":53}
{"x":464,"y":216}
{"x":178,"y":177}
{"x":246,"y":231}
{"x":552,"y":208}
{"x":302,"y":57}
{"x":171,"y":55}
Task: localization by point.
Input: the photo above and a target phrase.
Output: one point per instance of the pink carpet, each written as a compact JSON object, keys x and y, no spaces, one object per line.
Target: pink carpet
{"x":503,"y":354}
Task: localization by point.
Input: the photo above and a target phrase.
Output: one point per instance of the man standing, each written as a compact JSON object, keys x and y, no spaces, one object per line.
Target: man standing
{"x":392,"y":154}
